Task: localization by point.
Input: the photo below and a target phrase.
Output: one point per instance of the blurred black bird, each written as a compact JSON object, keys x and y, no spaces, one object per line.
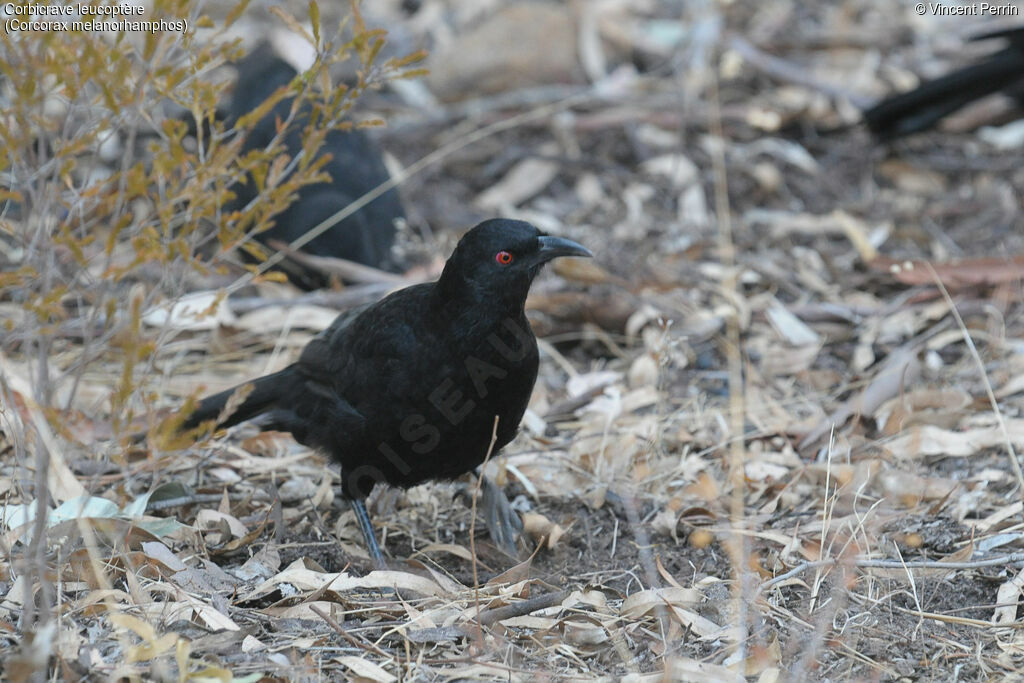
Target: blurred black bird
{"x":408,"y":389}
{"x":923,"y":107}
{"x":355,"y":168}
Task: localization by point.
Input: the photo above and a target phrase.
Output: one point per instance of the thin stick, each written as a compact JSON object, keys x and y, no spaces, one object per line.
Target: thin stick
{"x":201,"y":498}
{"x":864,"y":563}
{"x":346,"y":635}
{"x":913,"y":589}
{"x":984,"y":378}
{"x":518,"y":609}
{"x":472,"y":532}
{"x":734,"y":359}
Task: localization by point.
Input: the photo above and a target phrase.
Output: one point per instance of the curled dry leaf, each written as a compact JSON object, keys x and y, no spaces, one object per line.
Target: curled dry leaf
{"x":790,"y":327}
{"x":642,"y":602}
{"x":926,"y":440}
{"x":305,"y":579}
{"x":159,"y":552}
{"x":643,"y":371}
{"x":1007,"y":598}
{"x":252,"y":644}
{"x":365,"y":669}
{"x":1013,"y":386}
{"x":524,"y":180}
{"x":941,"y":408}
{"x":214,"y":520}
{"x":542,"y":529}
{"x":1008,"y":137}
{"x":210,"y":616}
{"x":666,"y":522}
{"x":901,"y":370}
{"x":584,"y":633}
{"x":912,"y":488}
{"x":678,"y":168}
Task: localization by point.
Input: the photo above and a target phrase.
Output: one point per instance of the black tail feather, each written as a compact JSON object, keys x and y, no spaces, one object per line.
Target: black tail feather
{"x":923,"y":107}
{"x":265,"y":393}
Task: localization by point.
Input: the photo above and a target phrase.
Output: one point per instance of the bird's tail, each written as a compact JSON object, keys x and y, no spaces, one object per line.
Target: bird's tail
{"x":921,"y":108}
{"x":264,"y":395}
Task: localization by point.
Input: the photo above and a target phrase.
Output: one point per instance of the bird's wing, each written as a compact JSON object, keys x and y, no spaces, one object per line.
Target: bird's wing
{"x":377,"y":345}
{"x":320,"y":351}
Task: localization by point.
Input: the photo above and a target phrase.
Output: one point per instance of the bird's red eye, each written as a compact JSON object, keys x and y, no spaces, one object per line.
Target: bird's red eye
{"x":503,"y":257}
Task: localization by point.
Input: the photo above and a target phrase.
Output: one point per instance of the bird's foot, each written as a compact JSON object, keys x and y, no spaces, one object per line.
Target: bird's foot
{"x":503,"y":522}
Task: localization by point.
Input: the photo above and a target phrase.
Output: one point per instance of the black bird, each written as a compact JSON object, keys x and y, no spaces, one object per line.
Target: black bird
{"x":408,"y":389}
{"x":923,"y":107}
{"x":355,"y":168}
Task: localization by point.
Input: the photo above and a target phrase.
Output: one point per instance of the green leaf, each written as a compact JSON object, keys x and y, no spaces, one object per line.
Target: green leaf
{"x":314,"y":18}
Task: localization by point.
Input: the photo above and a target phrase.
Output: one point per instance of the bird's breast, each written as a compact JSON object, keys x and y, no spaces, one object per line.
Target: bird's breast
{"x":442,"y":413}
{"x":490,"y":374}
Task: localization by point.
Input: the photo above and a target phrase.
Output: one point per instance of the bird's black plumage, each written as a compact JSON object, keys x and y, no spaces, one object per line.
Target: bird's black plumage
{"x":407,"y":390}
{"x":923,"y":107}
{"x":355,"y":167}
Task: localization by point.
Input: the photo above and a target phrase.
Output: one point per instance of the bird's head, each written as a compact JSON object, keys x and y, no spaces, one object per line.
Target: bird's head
{"x":500,"y":258}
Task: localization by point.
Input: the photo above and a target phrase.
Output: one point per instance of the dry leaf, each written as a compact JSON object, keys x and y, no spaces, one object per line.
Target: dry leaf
{"x":542,"y":529}
{"x":364,"y":668}
{"x":1007,"y":598}
{"x":642,"y":602}
{"x":926,"y":440}
{"x":956,"y":274}
{"x":901,"y":370}
{"x":524,"y":180}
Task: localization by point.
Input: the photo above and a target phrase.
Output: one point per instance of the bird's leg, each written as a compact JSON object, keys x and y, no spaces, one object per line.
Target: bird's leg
{"x":503,"y":523}
{"x":363,"y":517}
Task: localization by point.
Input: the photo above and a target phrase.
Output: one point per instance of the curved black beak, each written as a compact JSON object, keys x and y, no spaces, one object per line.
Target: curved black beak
{"x":553,"y":247}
